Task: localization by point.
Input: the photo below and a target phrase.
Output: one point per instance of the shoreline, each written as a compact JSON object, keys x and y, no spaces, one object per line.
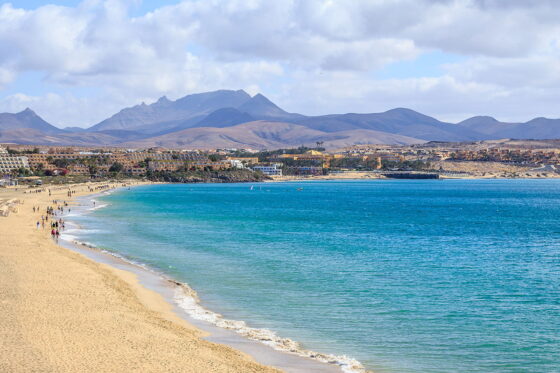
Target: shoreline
{"x":283,"y":179}
{"x":265,"y":346}
{"x":64,"y":312}
{"x":151,"y":292}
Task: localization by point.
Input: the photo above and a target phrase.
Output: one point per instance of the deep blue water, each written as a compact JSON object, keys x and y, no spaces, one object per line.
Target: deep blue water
{"x":405,"y":276}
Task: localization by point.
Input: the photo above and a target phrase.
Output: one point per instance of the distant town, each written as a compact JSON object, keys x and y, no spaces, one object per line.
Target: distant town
{"x":483,"y":159}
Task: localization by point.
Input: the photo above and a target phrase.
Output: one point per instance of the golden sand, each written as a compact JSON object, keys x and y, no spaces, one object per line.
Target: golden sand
{"x":61,"y":312}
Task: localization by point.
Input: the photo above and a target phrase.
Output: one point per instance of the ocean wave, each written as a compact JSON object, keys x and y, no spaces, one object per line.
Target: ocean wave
{"x":188,"y":300}
{"x":68,"y":237}
{"x":91,"y":246}
{"x":96,"y":207}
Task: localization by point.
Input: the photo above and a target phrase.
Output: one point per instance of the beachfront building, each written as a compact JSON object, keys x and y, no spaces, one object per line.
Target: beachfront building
{"x":165,"y":165}
{"x":9,"y":163}
{"x":304,"y":170}
{"x":43,"y":160}
{"x":244,"y":160}
{"x":135,"y":171}
{"x":272,"y":170}
{"x":235,"y":163}
{"x":319,"y":158}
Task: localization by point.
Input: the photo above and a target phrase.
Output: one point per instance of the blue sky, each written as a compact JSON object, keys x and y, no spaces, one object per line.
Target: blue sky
{"x":78,"y":62}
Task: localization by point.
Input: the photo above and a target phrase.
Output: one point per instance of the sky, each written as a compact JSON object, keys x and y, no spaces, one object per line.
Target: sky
{"x":76,"y":63}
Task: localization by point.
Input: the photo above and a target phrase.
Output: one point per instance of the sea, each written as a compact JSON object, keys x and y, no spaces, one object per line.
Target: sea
{"x":398,"y":275}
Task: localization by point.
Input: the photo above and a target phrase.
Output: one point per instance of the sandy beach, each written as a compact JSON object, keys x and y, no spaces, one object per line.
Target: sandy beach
{"x":62,"y":312}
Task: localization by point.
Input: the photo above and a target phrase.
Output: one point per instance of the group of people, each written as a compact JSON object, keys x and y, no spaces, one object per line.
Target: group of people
{"x":69,"y":193}
{"x":101,"y":187}
{"x":58,"y":208}
{"x":56,"y":227}
{"x":35,"y":191}
{"x":52,"y":212}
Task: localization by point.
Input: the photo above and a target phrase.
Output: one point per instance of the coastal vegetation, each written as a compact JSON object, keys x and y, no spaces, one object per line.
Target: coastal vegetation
{"x":207,"y":176}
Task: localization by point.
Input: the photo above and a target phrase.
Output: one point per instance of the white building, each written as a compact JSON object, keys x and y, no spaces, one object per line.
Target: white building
{"x":272,"y":170}
{"x":10,"y":162}
{"x":235,"y":163}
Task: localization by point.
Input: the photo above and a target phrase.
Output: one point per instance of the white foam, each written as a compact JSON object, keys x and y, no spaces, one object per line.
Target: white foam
{"x":90,"y":245}
{"x":68,"y":237}
{"x":96,"y":207}
{"x":188,"y":300}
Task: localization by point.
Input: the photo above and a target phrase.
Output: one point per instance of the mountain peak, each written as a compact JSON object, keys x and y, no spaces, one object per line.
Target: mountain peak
{"x":409,"y":114}
{"x":260,"y":96}
{"x":163,"y":99}
{"x":26,"y":118}
{"x":260,"y":106}
{"x":27,"y":111}
{"x":486,"y":118}
{"x":481,"y":122}
{"x":402,"y":110}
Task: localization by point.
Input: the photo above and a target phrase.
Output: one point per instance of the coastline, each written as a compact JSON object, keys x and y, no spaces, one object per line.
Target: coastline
{"x":152,"y":292}
{"x":64,"y":312}
{"x":263,"y":345}
{"x":373,"y":176}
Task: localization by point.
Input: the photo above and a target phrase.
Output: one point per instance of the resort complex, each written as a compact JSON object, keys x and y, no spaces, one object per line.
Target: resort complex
{"x":477,"y":159}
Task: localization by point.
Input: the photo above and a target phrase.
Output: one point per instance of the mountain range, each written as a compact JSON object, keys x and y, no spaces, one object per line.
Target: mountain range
{"x":234,"y":119}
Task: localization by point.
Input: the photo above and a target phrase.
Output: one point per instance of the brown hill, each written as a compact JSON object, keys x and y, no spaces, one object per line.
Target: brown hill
{"x":270,"y":135}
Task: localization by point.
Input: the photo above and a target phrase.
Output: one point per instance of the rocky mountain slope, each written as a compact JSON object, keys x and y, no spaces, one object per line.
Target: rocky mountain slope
{"x":228,"y":118}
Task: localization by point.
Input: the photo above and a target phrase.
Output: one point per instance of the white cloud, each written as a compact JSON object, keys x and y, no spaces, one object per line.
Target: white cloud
{"x":6,"y":76}
{"x":313,"y":56}
{"x":62,"y":110}
{"x":446,"y":97}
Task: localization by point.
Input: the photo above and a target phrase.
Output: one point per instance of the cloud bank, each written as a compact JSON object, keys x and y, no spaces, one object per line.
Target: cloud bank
{"x":496,"y":57}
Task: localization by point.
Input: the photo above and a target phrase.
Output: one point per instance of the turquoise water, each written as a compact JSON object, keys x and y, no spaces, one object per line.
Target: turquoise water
{"x":404,"y":276}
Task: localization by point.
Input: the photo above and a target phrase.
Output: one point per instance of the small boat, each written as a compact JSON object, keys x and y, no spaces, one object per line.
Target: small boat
{"x":251,"y":188}
{"x":299,"y":189}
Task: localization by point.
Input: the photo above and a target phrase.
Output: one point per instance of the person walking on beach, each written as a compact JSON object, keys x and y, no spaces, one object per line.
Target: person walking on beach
{"x":57,"y":233}
{"x":38,"y":224}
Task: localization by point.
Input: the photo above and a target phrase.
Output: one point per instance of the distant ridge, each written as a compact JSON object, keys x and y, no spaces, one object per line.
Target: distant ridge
{"x":165,"y":114}
{"x":233,"y":117}
{"x":538,"y":128}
